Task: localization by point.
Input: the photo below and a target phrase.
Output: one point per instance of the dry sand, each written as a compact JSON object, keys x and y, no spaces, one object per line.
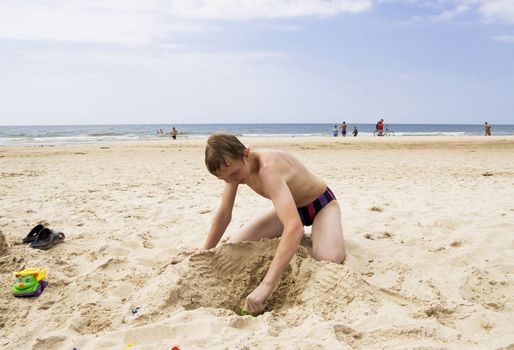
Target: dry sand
{"x":429,"y":226}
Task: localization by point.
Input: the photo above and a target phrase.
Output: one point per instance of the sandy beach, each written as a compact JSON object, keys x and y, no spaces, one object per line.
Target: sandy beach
{"x":428,"y":223}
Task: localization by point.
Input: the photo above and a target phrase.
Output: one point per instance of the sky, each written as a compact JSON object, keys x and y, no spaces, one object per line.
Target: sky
{"x":249,"y":61}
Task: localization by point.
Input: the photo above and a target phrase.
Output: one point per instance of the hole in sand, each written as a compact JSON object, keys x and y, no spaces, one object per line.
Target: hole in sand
{"x":220,"y":280}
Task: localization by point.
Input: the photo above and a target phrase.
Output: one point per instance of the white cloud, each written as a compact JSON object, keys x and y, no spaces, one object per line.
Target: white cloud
{"x":135,"y":22}
{"x":76,"y":22}
{"x":452,"y":13}
{"x":246,"y":9}
{"x":497,"y":10}
{"x":489,"y":10}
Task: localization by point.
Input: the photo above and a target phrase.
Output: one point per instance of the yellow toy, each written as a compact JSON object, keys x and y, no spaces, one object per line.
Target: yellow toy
{"x":29,"y":282}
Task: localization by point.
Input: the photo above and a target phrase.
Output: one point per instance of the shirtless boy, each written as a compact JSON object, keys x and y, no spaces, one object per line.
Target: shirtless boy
{"x":299,"y":197}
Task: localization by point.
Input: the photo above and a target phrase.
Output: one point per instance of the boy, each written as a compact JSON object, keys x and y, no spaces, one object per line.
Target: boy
{"x":299,"y":197}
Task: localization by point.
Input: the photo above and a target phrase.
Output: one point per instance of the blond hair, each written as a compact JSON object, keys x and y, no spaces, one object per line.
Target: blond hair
{"x":219,"y":147}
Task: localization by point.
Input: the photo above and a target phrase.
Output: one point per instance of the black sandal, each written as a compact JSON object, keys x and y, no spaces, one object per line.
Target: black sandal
{"x":47,"y":238}
{"x":33,"y":234}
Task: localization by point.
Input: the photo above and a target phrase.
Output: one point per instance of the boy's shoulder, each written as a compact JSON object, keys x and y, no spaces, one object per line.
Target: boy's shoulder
{"x":270,"y":157}
{"x":274,"y":163}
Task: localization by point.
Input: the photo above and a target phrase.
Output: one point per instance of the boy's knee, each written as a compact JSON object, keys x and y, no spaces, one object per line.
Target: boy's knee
{"x":337,"y":257}
{"x":341,"y":258}
{"x":234,"y":239}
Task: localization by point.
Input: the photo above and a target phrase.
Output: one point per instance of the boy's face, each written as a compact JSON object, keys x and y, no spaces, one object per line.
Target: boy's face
{"x":235,"y":172}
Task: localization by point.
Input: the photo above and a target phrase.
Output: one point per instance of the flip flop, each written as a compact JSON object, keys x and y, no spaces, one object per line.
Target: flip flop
{"x":33,"y":234}
{"x":47,"y":238}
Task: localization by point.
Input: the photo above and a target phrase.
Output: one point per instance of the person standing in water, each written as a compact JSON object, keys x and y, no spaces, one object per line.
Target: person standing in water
{"x":379,"y":128}
{"x":487,"y":129}
{"x":343,"y":129}
{"x":173,"y":133}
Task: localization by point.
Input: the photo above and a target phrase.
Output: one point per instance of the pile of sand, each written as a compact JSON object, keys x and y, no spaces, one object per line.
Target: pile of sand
{"x":309,"y":291}
{"x":3,"y":244}
{"x":222,"y":278}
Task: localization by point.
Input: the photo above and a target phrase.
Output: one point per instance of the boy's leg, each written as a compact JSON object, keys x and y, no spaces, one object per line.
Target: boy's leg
{"x":327,"y":234}
{"x":267,"y":225}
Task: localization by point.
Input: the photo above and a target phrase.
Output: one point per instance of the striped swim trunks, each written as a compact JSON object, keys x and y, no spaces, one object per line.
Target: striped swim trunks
{"x":309,"y":212}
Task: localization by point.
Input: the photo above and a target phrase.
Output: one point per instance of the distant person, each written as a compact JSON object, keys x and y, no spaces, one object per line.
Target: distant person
{"x":173,"y":133}
{"x":487,"y":129}
{"x":334,"y":131}
{"x":160,"y":132}
{"x":379,"y":128}
{"x":343,"y":129}
{"x":355,"y":131}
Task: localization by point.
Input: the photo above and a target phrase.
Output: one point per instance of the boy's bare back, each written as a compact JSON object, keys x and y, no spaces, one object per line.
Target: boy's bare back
{"x":304,"y":185}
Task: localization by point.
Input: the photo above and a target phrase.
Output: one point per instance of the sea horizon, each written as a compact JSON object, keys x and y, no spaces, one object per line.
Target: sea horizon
{"x":243,"y":123}
{"x":41,"y":135}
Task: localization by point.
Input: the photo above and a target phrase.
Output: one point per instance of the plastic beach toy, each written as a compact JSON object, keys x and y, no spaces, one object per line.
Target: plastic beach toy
{"x":29,"y":282}
{"x":244,"y":312}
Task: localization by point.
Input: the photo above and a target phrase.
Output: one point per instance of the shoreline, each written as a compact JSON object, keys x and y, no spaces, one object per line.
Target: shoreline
{"x":274,"y":140}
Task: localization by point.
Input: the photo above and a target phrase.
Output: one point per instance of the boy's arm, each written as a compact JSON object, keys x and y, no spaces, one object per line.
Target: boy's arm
{"x":278,"y":191}
{"x":222,"y":217}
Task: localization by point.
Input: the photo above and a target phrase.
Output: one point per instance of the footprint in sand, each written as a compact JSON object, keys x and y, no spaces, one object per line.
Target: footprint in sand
{"x":347,"y":334}
{"x":481,"y":288}
{"x":448,"y":224}
{"x":393,"y":336}
{"x":52,"y":342}
{"x":94,"y":318}
{"x":378,"y":235}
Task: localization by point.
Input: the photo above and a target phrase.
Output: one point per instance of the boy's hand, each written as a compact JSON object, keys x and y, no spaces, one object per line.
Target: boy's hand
{"x":256,"y":301}
{"x":183,"y":256}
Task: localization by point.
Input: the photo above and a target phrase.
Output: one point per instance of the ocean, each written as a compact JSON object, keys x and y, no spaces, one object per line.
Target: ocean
{"x":80,"y":134}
